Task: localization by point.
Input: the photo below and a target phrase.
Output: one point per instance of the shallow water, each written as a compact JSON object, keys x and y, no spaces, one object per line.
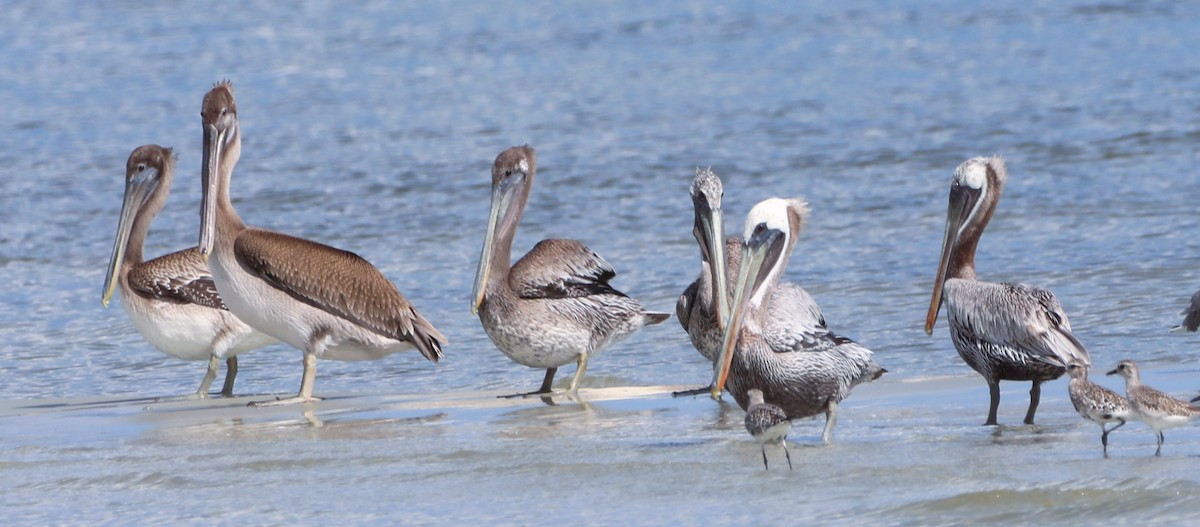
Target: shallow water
{"x":372,"y":128}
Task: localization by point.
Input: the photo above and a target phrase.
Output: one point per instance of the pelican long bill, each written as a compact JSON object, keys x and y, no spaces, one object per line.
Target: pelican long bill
{"x":137,"y":189}
{"x":714,"y":236}
{"x":502,"y":195}
{"x":962,"y":202}
{"x":760,"y":254}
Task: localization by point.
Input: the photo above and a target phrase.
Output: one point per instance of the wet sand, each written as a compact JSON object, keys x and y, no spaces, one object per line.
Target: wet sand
{"x":906,"y":451}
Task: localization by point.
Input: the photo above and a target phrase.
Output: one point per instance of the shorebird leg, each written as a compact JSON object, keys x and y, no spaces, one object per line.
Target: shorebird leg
{"x":1035,"y":395}
{"x":231,"y":370}
{"x":764,"y":451}
{"x":1104,"y":435}
{"x":994,"y":390}
{"x":830,"y":420}
{"x":209,"y":376}
{"x":693,"y":391}
{"x":545,"y":389}
{"x":579,"y":370}
{"x":786,"y":452}
{"x":306,"y":385}
{"x":1158,"y":452}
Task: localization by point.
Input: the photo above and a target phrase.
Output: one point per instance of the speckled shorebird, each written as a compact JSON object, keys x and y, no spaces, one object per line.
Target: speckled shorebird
{"x":805,"y":370}
{"x":1010,"y":332}
{"x":171,"y":299}
{"x":768,"y":424}
{"x":554,"y":306}
{"x":1157,"y":409}
{"x":326,"y":302}
{"x":1191,"y":316}
{"x":1096,"y":403}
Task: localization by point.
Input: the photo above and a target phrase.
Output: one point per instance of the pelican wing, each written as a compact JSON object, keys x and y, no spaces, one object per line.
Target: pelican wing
{"x":683,"y":306}
{"x":1191,"y":315}
{"x":180,"y":277}
{"x":558,"y":268}
{"x":795,"y":322}
{"x":337,"y":282}
{"x":1019,"y":317}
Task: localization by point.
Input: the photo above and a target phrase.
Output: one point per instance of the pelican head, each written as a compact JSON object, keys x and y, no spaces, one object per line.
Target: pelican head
{"x":222,"y":149}
{"x":772,"y":228}
{"x":148,"y":173}
{"x":709,"y":230}
{"x":974,"y":192}
{"x":512,"y":177}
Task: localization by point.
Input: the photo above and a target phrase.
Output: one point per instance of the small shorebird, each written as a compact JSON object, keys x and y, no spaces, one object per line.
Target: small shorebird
{"x":171,"y":299}
{"x":1006,"y":332}
{"x":1096,"y":403}
{"x":326,"y":302}
{"x":554,"y":306}
{"x":1191,"y":316}
{"x":1155,"y":408}
{"x":767,"y":423}
{"x":776,"y":347}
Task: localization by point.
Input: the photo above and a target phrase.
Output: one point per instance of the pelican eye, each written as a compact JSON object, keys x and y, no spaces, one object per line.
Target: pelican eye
{"x":760,"y":228}
{"x":141,"y":167}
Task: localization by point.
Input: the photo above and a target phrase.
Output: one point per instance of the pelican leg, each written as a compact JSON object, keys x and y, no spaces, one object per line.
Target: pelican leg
{"x":1035,"y":395}
{"x":1158,"y":452}
{"x":306,"y":386}
{"x":786,"y":453}
{"x":694,"y":391}
{"x":994,"y":389}
{"x":830,"y":421}
{"x":209,"y":376}
{"x":231,"y":370}
{"x":1104,"y":435}
{"x":545,"y":389}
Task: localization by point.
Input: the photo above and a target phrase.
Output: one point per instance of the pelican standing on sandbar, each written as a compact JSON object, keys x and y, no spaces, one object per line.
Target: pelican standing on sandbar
{"x":799,"y":366}
{"x":1009,"y":332}
{"x":703,"y":308}
{"x":326,"y":302}
{"x":171,"y":299}
{"x":554,"y":306}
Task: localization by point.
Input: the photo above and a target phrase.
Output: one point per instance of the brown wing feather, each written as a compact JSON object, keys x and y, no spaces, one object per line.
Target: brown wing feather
{"x":338,"y":282}
{"x":180,"y":277}
{"x":558,"y":268}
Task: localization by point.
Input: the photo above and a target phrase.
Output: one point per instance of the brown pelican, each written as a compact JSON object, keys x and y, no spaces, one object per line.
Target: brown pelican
{"x":806,"y":369}
{"x":326,"y":302}
{"x":703,"y":307}
{"x":171,"y":299}
{"x":1157,"y":409}
{"x":768,"y":423}
{"x":554,"y":306}
{"x":1191,"y":316}
{"x":1011,"y":332}
{"x":1096,"y":403}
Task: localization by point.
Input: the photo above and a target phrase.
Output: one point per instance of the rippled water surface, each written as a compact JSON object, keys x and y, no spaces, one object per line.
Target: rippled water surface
{"x":372,"y":127}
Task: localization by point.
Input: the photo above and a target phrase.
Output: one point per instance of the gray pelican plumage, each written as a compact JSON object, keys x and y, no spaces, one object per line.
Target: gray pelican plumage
{"x":1153,"y":407}
{"x":326,"y":302}
{"x":555,"y":305}
{"x":703,"y":308}
{"x":1011,"y":332}
{"x":1096,"y":403}
{"x":767,"y":424}
{"x":1191,"y":316}
{"x":777,"y":346}
{"x":171,"y":300}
